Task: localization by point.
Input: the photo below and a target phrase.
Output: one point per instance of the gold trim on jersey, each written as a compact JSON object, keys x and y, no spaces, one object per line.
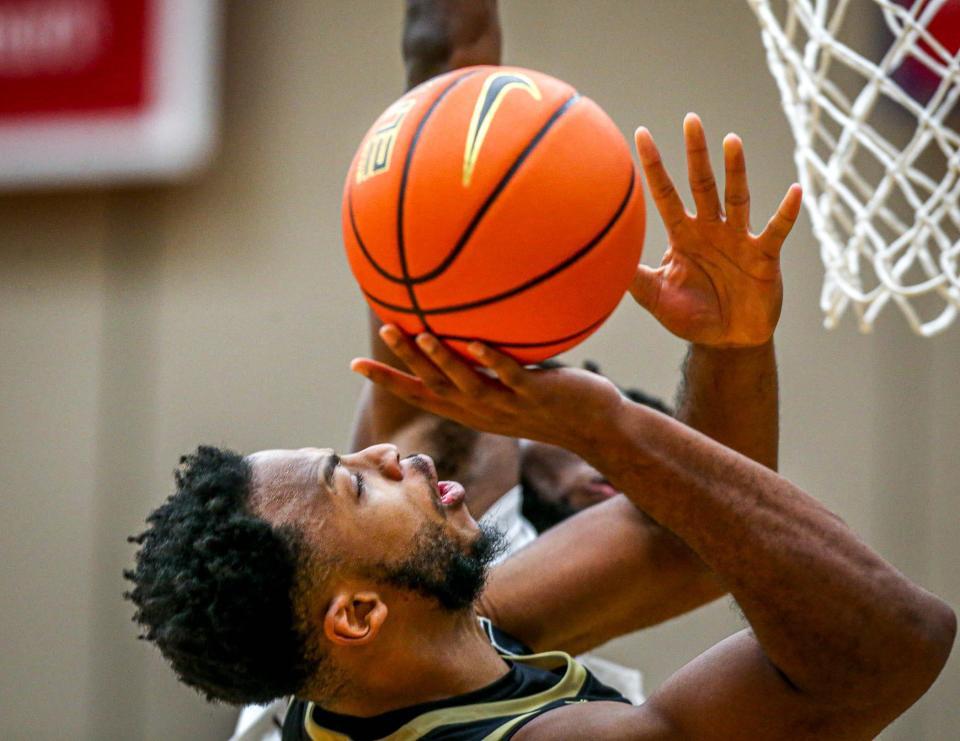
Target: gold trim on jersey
{"x":518,"y":708}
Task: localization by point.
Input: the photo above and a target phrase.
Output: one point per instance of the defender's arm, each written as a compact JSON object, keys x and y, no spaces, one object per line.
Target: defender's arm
{"x":441,"y":35}
{"x":438,"y":36}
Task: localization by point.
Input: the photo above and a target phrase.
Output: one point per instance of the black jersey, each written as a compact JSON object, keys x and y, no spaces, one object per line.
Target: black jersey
{"x":535,"y":684}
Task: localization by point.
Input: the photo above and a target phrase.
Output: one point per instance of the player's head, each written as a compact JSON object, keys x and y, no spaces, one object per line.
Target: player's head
{"x":259,"y":569}
{"x":557,"y":483}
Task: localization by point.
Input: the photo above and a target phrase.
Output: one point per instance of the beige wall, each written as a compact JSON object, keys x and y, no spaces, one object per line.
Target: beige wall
{"x":135,"y":324}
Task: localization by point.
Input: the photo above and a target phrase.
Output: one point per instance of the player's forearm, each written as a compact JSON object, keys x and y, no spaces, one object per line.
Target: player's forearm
{"x":834,"y":617}
{"x":731,"y":395}
{"x":440,"y":35}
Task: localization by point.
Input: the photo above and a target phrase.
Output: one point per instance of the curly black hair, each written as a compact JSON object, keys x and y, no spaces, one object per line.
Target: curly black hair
{"x":215,"y":586}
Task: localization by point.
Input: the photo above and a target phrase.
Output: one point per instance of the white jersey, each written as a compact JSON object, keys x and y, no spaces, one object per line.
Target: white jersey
{"x":505,"y":514}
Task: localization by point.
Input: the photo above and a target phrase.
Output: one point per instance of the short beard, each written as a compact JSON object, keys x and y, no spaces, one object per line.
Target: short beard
{"x":439,"y":568}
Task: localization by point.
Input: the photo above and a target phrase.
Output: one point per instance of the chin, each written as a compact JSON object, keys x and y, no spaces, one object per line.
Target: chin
{"x":462,"y":520}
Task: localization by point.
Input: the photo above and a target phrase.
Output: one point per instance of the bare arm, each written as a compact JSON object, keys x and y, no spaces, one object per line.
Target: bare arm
{"x":441,"y":35}
{"x":841,"y":642}
{"x":719,"y":287}
{"x":732,"y":396}
{"x":438,"y":36}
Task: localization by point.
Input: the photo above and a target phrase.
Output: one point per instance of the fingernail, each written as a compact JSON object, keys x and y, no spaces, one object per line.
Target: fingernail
{"x":427,"y":342}
{"x":475,"y":348}
{"x":389,"y":334}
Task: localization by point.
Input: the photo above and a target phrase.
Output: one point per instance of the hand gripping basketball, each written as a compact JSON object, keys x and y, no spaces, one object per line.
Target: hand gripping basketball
{"x":717,"y":284}
{"x":561,"y":406}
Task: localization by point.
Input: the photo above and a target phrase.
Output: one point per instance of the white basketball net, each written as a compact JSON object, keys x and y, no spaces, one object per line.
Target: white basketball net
{"x":879,"y":168}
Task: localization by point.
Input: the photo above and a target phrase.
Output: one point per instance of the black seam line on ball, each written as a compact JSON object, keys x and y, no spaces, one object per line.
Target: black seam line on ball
{"x":546,"y":343}
{"x":363,"y":247}
{"x":403,"y":192}
{"x":476,"y":219}
{"x":353,"y":221}
{"x":504,"y":181}
{"x":588,"y":247}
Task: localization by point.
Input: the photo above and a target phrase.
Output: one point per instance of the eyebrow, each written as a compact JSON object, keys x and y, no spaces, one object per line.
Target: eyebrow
{"x":332,"y":462}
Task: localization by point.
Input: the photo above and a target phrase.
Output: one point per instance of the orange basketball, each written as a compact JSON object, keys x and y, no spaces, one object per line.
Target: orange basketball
{"x":494,"y":204}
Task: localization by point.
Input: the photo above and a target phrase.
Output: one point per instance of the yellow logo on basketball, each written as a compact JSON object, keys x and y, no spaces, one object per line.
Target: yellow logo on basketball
{"x":494,"y":90}
{"x":378,"y":149}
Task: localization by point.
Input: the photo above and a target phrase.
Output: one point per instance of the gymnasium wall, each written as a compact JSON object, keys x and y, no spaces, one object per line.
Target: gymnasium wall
{"x":136,"y":323}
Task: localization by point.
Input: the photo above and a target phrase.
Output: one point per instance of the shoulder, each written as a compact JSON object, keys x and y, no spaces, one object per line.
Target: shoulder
{"x":615,"y":721}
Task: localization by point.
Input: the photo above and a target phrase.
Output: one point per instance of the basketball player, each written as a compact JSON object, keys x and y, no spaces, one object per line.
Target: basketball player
{"x":730,"y":395}
{"x":357,"y":583}
{"x":438,"y":37}
{"x":197,"y":464}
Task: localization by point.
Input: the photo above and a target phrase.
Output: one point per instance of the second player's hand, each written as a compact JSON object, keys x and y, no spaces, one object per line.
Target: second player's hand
{"x":717,"y":284}
{"x":561,"y":406}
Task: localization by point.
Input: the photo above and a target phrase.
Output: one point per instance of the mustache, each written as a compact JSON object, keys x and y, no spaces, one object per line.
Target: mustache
{"x":421,"y":465}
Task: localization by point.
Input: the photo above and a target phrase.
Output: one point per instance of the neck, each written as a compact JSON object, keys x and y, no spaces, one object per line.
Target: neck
{"x":446,"y":654}
{"x":494,"y":471}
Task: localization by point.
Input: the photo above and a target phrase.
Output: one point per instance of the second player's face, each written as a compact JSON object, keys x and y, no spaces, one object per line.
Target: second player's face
{"x":562,"y":477}
{"x":367,"y":505}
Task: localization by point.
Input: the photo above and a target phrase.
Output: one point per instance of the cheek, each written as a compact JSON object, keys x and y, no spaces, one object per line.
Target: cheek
{"x":384,"y":530}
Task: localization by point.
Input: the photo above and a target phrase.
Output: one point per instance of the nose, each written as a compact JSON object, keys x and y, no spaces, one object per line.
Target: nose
{"x":385,"y":458}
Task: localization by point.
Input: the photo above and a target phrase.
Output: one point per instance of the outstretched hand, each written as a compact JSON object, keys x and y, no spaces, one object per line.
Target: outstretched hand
{"x":717,"y":284}
{"x":561,"y":406}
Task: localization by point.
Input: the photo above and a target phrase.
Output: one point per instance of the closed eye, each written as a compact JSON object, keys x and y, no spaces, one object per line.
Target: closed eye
{"x":358,"y":481}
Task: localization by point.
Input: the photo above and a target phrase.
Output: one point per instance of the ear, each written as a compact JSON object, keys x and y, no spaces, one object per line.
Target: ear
{"x":354,"y":618}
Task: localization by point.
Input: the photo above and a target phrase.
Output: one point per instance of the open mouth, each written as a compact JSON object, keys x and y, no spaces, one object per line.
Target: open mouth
{"x":451,"y":493}
{"x":600,"y":487}
{"x":445,"y":493}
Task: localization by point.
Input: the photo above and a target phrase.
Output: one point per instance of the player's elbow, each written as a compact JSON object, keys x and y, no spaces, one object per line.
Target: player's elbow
{"x":919,"y":656}
{"x":938,"y":636}
{"x":439,"y":35}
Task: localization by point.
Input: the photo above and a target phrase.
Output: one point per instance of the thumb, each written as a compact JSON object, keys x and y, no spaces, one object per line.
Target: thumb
{"x":645,"y":287}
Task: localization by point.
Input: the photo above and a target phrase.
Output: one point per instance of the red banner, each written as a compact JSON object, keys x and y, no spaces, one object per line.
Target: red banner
{"x":63,"y":57}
